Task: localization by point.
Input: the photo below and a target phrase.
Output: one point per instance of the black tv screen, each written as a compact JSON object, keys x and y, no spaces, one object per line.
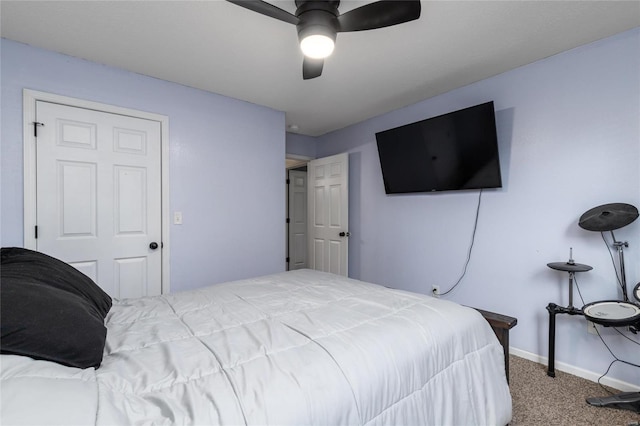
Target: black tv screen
{"x":453,"y":151}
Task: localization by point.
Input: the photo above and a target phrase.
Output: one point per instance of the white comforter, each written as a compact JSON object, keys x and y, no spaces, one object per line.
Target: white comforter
{"x":297,"y":348}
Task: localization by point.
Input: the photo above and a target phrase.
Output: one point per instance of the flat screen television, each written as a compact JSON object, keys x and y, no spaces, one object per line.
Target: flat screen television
{"x":454,"y":151}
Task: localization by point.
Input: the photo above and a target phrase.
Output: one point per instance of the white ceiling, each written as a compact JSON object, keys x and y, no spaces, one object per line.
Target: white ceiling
{"x":226,"y":49}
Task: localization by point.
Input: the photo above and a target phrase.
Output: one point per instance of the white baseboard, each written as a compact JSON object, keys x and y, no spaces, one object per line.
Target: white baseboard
{"x":585,"y":374}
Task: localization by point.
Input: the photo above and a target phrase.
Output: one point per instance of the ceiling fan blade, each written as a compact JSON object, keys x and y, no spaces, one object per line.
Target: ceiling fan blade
{"x":311,"y":68}
{"x":267,"y":9}
{"x":384,"y":13}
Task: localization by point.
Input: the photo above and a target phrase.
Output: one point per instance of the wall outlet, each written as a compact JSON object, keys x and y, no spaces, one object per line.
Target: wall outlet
{"x":591,"y":328}
{"x":435,"y":290}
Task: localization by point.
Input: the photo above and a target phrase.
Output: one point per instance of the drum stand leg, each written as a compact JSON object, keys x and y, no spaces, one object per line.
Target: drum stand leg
{"x":551,"y":307}
{"x":553,"y":310}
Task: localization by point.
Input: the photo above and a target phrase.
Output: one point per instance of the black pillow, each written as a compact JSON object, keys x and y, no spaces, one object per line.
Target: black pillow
{"x":49,"y":310}
{"x":44,"y":322}
{"x":40,"y":268}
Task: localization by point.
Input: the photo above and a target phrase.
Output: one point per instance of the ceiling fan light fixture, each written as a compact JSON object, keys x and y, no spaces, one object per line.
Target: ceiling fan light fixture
{"x":318,"y":22}
{"x":317,"y":46}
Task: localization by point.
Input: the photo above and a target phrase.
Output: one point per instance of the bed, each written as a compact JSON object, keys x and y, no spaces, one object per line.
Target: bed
{"x":295,"y":348}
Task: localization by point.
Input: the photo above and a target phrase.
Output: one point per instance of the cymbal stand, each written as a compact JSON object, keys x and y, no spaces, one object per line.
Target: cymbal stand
{"x":554,"y":309}
{"x":625,"y":400}
{"x":620,"y":245}
{"x":572,"y":276}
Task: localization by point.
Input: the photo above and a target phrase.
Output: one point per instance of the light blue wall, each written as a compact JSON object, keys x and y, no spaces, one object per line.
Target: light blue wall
{"x":569,"y":137}
{"x":226,"y":162}
{"x":301,"y":145}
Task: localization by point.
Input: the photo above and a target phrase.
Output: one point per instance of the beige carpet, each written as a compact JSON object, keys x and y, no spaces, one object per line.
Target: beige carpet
{"x":542,"y":400}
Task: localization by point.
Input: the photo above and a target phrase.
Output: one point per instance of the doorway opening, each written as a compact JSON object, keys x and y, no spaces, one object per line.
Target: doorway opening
{"x":296,"y":211}
{"x":318,"y":215}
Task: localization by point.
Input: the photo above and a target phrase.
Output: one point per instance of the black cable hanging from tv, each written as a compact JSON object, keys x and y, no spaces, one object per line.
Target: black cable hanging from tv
{"x":473,"y":239}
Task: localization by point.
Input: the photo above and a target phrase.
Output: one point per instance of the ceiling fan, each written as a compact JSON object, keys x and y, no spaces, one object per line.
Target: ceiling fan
{"x":318,"y":23}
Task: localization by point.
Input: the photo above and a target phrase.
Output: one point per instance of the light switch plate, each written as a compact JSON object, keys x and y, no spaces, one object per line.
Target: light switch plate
{"x":177,"y":218}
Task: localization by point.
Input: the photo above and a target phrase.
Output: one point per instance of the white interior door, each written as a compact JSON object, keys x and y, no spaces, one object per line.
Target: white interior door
{"x":328,"y":205}
{"x":297,"y":219}
{"x":99,"y":196}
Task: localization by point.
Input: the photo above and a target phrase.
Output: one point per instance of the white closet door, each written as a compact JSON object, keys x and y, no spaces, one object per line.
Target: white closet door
{"x":99,"y":196}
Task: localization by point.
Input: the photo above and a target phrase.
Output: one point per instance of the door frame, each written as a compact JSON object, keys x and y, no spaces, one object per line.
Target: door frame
{"x":29,"y":99}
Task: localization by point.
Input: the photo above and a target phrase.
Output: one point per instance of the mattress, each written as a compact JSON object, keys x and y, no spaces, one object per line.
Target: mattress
{"x":295,"y":348}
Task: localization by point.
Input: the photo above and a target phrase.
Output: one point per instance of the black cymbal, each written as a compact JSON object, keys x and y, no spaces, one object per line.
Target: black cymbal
{"x":569,"y":267}
{"x":608,"y":217}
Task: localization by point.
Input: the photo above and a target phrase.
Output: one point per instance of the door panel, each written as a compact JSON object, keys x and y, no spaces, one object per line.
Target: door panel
{"x":75,"y":134}
{"x":319,"y":192}
{"x":329,"y":214}
{"x":318,"y":254}
{"x":90,"y":269}
{"x":130,"y":199}
{"x":131,"y":277}
{"x":335,"y":205}
{"x":99,"y":196}
{"x":77,"y":190}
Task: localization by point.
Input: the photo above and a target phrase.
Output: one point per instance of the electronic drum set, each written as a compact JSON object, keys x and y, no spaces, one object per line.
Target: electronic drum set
{"x":608,"y":313}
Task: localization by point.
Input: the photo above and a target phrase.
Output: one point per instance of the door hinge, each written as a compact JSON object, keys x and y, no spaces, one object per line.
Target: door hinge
{"x":288,"y":181}
{"x":35,"y":128}
{"x":288,"y":220}
{"x":287,"y":260}
{"x":36,"y":231}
